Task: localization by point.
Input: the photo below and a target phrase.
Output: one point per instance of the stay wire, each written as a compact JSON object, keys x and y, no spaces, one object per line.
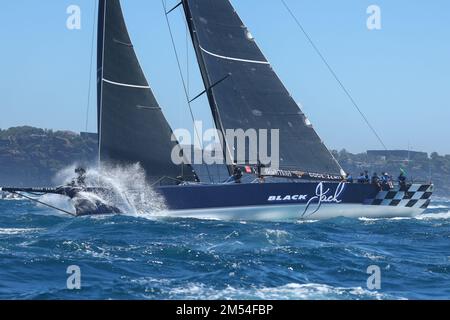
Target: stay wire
{"x":91,"y":67}
{"x":44,"y":204}
{"x":322,"y":57}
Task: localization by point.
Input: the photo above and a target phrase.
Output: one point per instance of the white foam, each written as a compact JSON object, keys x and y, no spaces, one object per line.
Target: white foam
{"x":364,"y":219}
{"x":294,"y":291}
{"x":306,"y":221}
{"x":275,"y":237}
{"x":373,"y":257}
{"x":434,"y":216}
{"x":131,"y":193}
{"x":438,"y":207}
{"x":14,"y":231}
{"x":57,"y":201}
{"x":13,"y":199}
{"x":277,"y":233}
{"x":441,"y":199}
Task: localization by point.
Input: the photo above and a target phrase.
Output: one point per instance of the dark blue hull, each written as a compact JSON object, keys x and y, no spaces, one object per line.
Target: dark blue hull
{"x":306,"y":200}
{"x":192,"y":197}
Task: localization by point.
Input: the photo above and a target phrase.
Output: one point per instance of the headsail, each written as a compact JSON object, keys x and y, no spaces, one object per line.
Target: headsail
{"x":252,"y":97}
{"x":131,"y":125}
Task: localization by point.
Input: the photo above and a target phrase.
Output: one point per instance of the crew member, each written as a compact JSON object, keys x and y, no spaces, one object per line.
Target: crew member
{"x":402,"y":179}
{"x":361,"y":178}
{"x":386,"y":181}
{"x":375,"y":179}
{"x":259,"y":167}
{"x":237,"y":174}
{"x":80,"y":180}
{"x":349,"y":178}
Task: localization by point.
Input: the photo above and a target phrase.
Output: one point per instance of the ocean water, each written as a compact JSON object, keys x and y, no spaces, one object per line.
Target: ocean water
{"x":143,"y":257}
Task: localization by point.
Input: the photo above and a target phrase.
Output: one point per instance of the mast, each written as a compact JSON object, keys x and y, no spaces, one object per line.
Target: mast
{"x":100,"y":54}
{"x":207,"y":83}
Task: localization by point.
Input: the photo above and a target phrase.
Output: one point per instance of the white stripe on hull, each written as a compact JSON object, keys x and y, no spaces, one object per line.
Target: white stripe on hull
{"x":295,"y":212}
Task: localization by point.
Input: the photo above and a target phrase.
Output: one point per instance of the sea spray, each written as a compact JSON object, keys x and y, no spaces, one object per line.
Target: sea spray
{"x":127,"y":188}
{"x":57,"y":201}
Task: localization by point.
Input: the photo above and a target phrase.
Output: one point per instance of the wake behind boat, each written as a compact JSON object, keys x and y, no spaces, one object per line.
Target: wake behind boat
{"x":244,"y":93}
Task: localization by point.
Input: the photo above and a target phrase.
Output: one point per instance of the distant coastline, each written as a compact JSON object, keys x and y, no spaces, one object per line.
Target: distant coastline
{"x":32,"y":157}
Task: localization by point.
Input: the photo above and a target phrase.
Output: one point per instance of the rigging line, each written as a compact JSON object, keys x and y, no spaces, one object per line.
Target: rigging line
{"x":44,"y":204}
{"x":334,"y":74}
{"x":177,"y":58}
{"x":91,"y":66}
{"x":188,"y":76}
{"x":180,"y":70}
{"x":187,"y":69}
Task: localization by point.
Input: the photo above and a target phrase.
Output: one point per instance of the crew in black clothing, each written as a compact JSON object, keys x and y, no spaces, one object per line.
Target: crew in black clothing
{"x":237,"y":173}
{"x":259,"y":167}
{"x":366,"y":176}
{"x":375,"y":179}
{"x":80,"y":180}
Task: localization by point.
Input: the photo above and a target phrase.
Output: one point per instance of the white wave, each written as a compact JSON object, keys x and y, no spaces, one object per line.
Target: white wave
{"x":364,"y":219}
{"x":130,"y":190}
{"x":369,"y":219}
{"x":434,"y":216}
{"x":292,"y":291}
{"x":438,"y":207}
{"x":105,"y":253}
{"x":150,"y":281}
{"x":277,"y":233}
{"x":234,"y":234}
{"x":373,"y":257}
{"x":424,"y":216}
{"x":15,"y":231}
{"x":57,"y":201}
{"x":441,"y":199}
{"x":306,"y":221}
{"x":13,"y":199}
{"x":277,"y":236}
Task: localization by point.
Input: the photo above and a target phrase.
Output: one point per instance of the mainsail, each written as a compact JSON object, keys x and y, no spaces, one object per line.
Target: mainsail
{"x":131,"y":125}
{"x":250,"y":95}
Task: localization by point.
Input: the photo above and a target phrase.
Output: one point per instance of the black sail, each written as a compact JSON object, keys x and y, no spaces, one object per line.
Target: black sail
{"x":131,"y":125}
{"x":252,"y":96}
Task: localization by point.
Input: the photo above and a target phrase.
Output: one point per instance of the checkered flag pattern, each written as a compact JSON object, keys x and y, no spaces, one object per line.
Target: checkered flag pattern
{"x":412,"y":196}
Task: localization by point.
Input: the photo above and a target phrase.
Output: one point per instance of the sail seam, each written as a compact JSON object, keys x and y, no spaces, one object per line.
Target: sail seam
{"x":125,"y":84}
{"x":231,"y":58}
{"x":123,"y":43}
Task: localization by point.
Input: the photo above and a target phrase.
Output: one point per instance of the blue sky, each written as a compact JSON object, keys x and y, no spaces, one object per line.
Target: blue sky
{"x":399,"y":75}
